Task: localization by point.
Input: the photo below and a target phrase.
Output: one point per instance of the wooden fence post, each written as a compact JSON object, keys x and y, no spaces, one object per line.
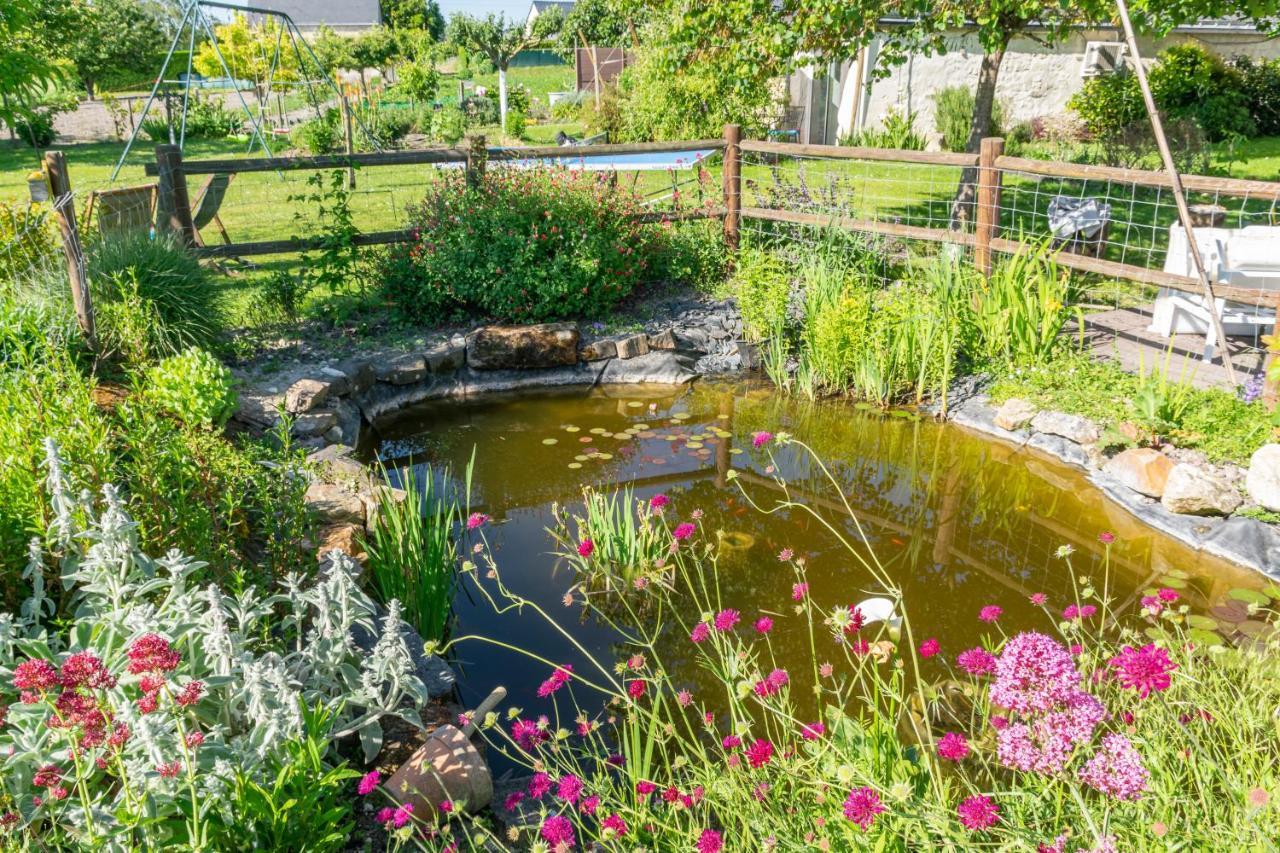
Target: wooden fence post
{"x":64,"y":208}
{"x":349,"y":138}
{"x":174,"y":204}
{"x":732,"y":177}
{"x":987,"y":215}
{"x":477,"y":156}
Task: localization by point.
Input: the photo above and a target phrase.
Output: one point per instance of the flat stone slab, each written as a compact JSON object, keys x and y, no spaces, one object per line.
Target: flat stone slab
{"x":1060,"y":448}
{"x":1247,"y":541}
{"x":665,"y":367}
{"x":523,"y":347}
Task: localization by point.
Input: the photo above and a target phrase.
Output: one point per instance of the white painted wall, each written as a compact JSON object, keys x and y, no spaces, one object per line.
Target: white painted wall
{"x":1034,"y":81}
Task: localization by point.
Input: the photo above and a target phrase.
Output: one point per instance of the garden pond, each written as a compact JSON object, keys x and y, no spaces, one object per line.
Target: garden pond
{"x":960,"y":521}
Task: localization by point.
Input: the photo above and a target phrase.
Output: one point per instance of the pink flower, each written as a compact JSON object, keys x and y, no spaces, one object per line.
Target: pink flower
{"x":586,"y":548}
{"x":760,"y":439}
{"x":32,"y":676}
{"x":152,"y":653}
{"x":476,"y":519}
{"x":1106,"y":538}
{"x":190,"y":693}
{"x":85,"y":669}
{"x":709,"y":842}
{"x":1045,"y":744}
{"x":615,"y":823}
{"x":170,"y":770}
{"x":589,"y":805}
{"x":569,"y":788}
{"x":799,"y":591}
{"x":976,"y":661}
{"x":764,"y":625}
{"x":539,"y":785}
{"x":978,"y":812}
{"x":731,"y":742}
{"x":700,"y":632}
{"x":527,"y":733}
{"x":990,"y":613}
{"x":683,"y":530}
{"x":558,"y":679}
{"x":368,"y":782}
{"x":953,"y":747}
{"x":1038,"y":599}
{"x":862,"y":806}
{"x":385,"y":814}
{"x":930,"y":647}
{"x":644,"y":788}
{"x":513,"y":800}
{"x":812,"y":731}
{"x":1168,"y":596}
{"x":771,"y":683}
{"x":659,"y":501}
{"x":1143,"y":670}
{"x":1116,"y":769}
{"x":727,"y":619}
{"x":759,"y":753}
{"x":635,"y":688}
{"x":685,"y":698}
{"x":1034,"y":673}
{"x":1083,"y":612}
{"x":445,"y":806}
{"x":194,"y":740}
{"x":785,"y":555}
{"x":402,"y":815}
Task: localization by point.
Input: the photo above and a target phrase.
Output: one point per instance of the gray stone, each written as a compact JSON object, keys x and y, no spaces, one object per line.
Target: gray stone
{"x":403,"y":370}
{"x":447,"y":357}
{"x":633,"y":346}
{"x":1185,"y":528}
{"x":486,"y":381}
{"x":1248,"y":542}
{"x":334,"y":504}
{"x":1060,"y":448}
{"x":383,"y":398}
{"x":1142,"y":469}
{"x":1192,"y":490}
{"x":313,"y":424}
{"x":1263,"y":479}
{"x":1071,"y":427}
{"x":360,"y":374}
{"x":976,"y":414}
{"x":523,"y":347}
{"x":339,"y":382}
{"x":667,"y":367}
{"x":693,"y":338}
{"x":600,"y":349}
{"x":1014,"y":413}
{"x":305,"y":395}
{"x":665,"y":339}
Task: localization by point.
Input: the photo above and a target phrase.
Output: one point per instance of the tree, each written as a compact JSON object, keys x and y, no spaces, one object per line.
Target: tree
{"x":414,"y":15}
{"x":116,"y":37}
{"x":500,"y":40}
{"x":28,"y":67}
{"x":376,"y":47}
{"x":592,"y":24}
{"x":255,"y":53}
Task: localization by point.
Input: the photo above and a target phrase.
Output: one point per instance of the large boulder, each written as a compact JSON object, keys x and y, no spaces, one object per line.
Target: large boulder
{"x":1142,"y":469}
{"x":334,"y":504}
{"x":1071,"y":427}
{"x":1192,"y":490}
{"x":523,"y":347}
{"x":1014,"y":413}
{"x":1263,"y":479}
{"x":307,"y":394}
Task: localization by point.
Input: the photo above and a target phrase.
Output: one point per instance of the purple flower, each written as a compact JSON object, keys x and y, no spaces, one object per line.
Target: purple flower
{"x":764,"y":625}
{"x":978,"y":812}
{"x":557,"y":829}
{"x":684,"y":530}
{"x":476,"y":519}
{"x":760,"y":439}
{"x":1034,"y":673}
{"x":1145,"y":670}
{"x":953,"y":747}
{"x":368,"y":783}
{"x":727,"y":619}
{"x":862,"y":806}
{"x":976,"y":661}
{"x":990,"y":613}
{"x":1116,"y":769}
{"x":586,"y":548}
{"x":700,"y":632}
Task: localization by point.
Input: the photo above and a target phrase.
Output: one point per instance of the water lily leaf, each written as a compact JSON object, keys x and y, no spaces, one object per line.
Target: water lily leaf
{"x":576,"y":465}
{"x":1201,"y":637}
{"x":1203,"y":622}
{"x":1172,"y":582}
{"x":1229,"y":612}
{"x":1249,"y":596}
{"x":1254,"y":628}
{"x":550,"y":441}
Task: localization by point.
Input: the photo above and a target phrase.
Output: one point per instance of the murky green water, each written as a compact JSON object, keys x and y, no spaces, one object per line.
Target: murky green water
{"x":960,"y":521}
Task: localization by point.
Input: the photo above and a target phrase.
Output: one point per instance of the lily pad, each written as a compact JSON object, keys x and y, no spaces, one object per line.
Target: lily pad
{"x":581,"y":457}
{"x":635,"y":404}
{"x":1155,"y":633}
{"x":1249,"y":596}
{"x":1178,"y":573}
{"x":1201,"y":637}
{"x":550,"y":441}
{"x":575,"y":465}
{"x":694,"y":445}
{"x":1254,"y":628}
{"x":863,"y":406}
{"x":1203,"y":622}
{"x":735,"y":450}
{"x":572,"y":428}
{"x":597,"y":430}
{"x":1173,"y":583}
{"x":604,"y":455}
{"x":681,"y":416}
{"x":640,"y":427}
{"x":1272,"y":591}
{"x":1232,"y":612}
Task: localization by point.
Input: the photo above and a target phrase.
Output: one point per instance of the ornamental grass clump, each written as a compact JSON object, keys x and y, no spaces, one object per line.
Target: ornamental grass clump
{"x":133,"y":726}
{"x":1108,"y":729}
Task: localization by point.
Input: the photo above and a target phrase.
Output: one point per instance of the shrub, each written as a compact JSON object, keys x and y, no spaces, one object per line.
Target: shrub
{"x":1108,"y":104}
{"x":448,"y":124}
{"x":36,"y":127}
{"x":179,"y":298}
{"x":207,"y":118}
{"x":481,"y":111}
{"x":953,"y":116}
{"x":898,"y":130}
{"x":381,"y":127}
{"x":523,"y":246}
{"x":194,"y":387}
{"x":1187,"y":81}
{"x":518,"y":99}
{"x":30,"y":245}
{"x":692,"y":253}
{"x":516,"y":124}
{"x":763,"y":287}
{"x":1260,"y":81}
{"x":322,"y":134}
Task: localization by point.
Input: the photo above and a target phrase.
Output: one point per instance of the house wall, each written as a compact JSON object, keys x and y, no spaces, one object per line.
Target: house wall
{"x":1034,"y":80}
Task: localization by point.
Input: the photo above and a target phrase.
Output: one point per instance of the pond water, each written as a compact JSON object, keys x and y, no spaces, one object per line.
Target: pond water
{"x":958,"y":520}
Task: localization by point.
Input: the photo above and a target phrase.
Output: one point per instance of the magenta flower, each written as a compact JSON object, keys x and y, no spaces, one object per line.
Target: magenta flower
{"x":1116,"y":769}
{"x":976,"y":661}
{"x":513,"y":800}
{"x":1038,"y":598}
{"x":978,"y":812}
{"x":731,"y":742}
{"x":709,"y":842}
{"x":539,"y":785}
{"x":759,"y":753}
{"x":476,"y":519}
{"x":659,"y":501}
{"x":557,"y":830}
{"x":1168,"y":596}
{"x":586,"y":548}
{"x":760,"y":439}
{"x":589,"y":805}
{"x":34,"y":676}
{"x":771,"y":683}
{"x":402,"y":815}
{"x":1145,"y":670}
{"x":812,"y":731}
{"x":1083,"y":612}
{"x":446,"y":806}
{"x":799,"y":591}
{"x":527,"y":733}
{"x":684,"y":530}
{"x":368,"y":782}
{"x":636,"y":688}
{"x":700,"y":632}
{"x":953,"y":747}
{"x":1106,"y":537}
{"x":152,"y":653}
{"x":862,"y":806}
{"x":85,"y":669}
{"x":764,"y":625}
{"x":558,"y":679}
{"x":726,"y":619}
{"x":990,"y":613}
{"x":930,"y":647}
{"x":644,"y":788}
{"x":615,"y":823}
{"x":1033,"y":674}
{"x":569,"y":788}
{"x":1045,"y":744}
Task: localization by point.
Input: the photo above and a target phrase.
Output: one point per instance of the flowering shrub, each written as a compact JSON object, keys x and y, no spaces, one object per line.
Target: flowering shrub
{"x":528,"y":245}
{"x":132,"y":724}
{"x":1079,"y":735}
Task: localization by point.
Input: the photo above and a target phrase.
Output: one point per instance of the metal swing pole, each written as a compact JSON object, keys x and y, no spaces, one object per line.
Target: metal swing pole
{"x":213,"y":40}
{"x":155,"y":88}
{"x":1179,"y":197}
{"x":186,"y":92}
{"x":306,"y":78}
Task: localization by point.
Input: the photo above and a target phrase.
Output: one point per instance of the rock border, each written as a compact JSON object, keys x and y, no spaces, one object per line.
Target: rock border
{"x":1138,"y":481}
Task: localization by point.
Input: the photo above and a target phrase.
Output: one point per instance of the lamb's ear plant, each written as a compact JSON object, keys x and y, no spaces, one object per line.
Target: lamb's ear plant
{"x":126,"y":727}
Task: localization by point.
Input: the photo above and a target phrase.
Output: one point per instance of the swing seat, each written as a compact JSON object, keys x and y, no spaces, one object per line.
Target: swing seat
{"x":208,"y":200}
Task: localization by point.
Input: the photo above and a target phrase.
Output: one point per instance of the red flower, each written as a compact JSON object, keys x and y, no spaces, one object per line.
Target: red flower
{"x":152,"y":653}
{"x":636,"y":688}
{"x":759,"y":753}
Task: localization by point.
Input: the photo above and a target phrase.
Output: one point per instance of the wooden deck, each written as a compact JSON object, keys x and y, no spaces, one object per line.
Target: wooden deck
{"x":1122,"y":334}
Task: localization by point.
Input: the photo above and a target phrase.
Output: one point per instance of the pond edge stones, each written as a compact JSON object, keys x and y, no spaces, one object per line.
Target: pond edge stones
{"x":1177,"y":492}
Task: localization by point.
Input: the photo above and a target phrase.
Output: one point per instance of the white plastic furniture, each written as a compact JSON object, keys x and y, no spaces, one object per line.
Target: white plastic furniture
{"x":1241,"y":257}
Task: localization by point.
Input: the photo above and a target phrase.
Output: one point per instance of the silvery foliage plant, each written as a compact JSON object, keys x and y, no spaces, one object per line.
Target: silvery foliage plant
{"x":262,"y":660}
